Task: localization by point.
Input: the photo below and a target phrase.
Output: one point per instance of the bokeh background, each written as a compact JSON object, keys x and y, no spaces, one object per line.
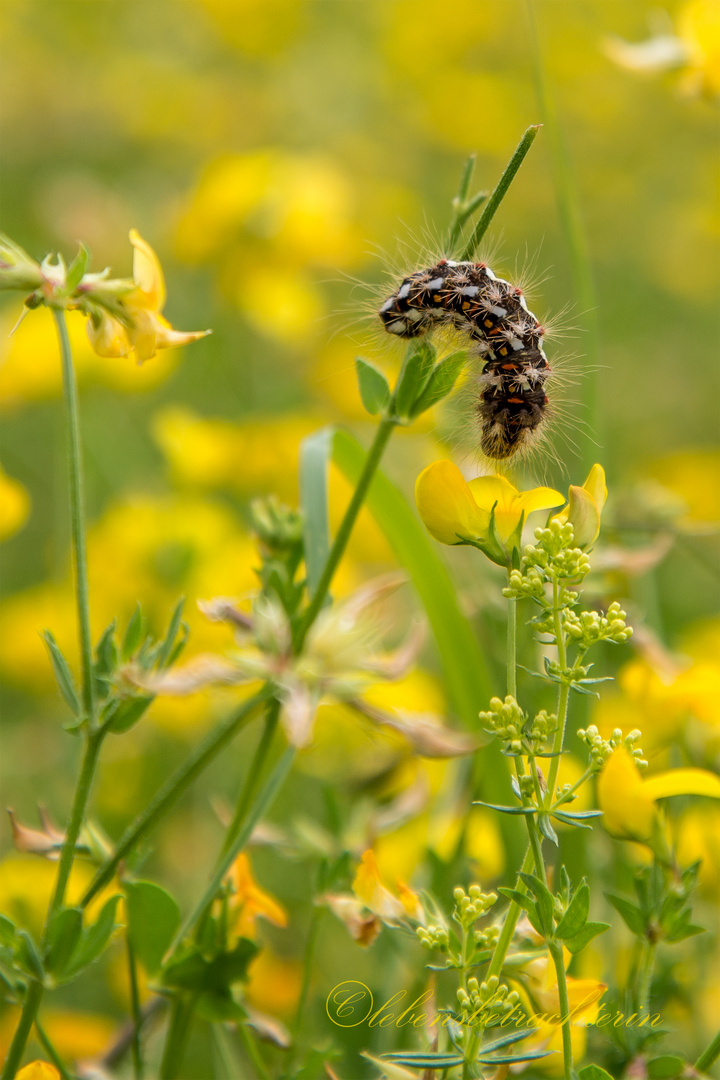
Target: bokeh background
{"x":283,"y":157}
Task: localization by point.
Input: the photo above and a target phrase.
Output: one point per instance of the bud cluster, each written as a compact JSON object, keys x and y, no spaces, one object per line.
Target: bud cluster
{"x":487,"y":938}
{"x":554,"y":555}
{"x":601,"y":749}
{"x":506,"y":720}
{"x":490,"y":998}
{"x":471,"y":905}
{"x":434,"y":938}
{"x":589,"y":627}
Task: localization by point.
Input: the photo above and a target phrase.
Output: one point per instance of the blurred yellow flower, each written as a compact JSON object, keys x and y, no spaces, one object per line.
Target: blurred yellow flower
{"x":376,"y":897}
{"x":249,"y":901}
{"x":698,"y":838}
{"x":585,"y":507}
{"x":137,"y":325}
{"x":273,"y":983}
{"x":38,"y":1070}
{"x":628,"y":802}
{"x":14,"y":505}
{"x":487,"y":512}
{"x":694,"y":477}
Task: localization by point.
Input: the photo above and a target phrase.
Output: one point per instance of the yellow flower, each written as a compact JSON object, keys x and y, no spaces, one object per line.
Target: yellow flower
{"x":368,"y":888}
{"x":14,"y":505}
{"x":134,"y":323}
{"x":249,"y":901}
{"x":628,"y":802}
{"x":38,"y":1070}
{"x":487,"y":513}
{"x":584,"y":507}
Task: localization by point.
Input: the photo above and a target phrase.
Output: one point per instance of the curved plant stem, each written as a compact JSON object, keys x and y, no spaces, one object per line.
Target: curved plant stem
{"x":500,"y":192}
{"x":375,"y":453}
{"x":709,"y":1056}
{"x":161,"y":802}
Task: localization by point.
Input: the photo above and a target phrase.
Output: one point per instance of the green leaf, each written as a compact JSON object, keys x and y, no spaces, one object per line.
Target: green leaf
{"x":133,"y":635}
{"x":315,"y":453}
{"x":544,"y":901}
{"x":106,"y":652}
{"x":167,"y":645}
{"x":419,"y":1059}
{"x":194,"y":972}
{"x":506,"y":809}
{"x":374,"y":389}
{"x":63,"y":675}
{"x":576,"y":915}
{"x":219,"y":1008}
{"x":507,"y":1040}
{"x":594,"y":1072}
{"x":589,"y":931}
{"x":7,"y":931}
{"x":76,"y":269}
{"x":413,"y":378}
{"x":529,"y":1055}
{"x":633,"y":916}
{"x":28,"y":956}
{"x":442,"y":379}
{"x":665,"y":1068}
{"x":521,"y":899}
{"x":120,"y":716}
{"x":64,"y":933}
{"x":545,"y":827}
{"x":153,"y":920}
{"x":94,"y":938}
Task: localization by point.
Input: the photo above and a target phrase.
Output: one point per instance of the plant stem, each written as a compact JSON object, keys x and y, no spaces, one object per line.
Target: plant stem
{"x":51,"y":1051}
{"x":709,"y":1056}
{"x":177,"y":1037}
{"x":557,"y":955}
{"x":375,"y":453}
{"x":33,"y":998}
{"x":563,"y":698}
{"x":248,"y":1040}
{"x":315,"y":921}
{"x":509,"y":923}
{"x":77,"y":515}
{"x":254,"y":772}
{"x":93,"y":743}
{"x":500,"y":192}
{"x":645,"y":972}
{"x":201,"y":756}
{"x":136,"y":1011}
{"x":512,"y":647}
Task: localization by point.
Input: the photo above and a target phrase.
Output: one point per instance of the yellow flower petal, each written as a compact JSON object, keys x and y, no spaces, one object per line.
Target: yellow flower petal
{"x":147,"y":274}
{"x":446,"y":504}
{"x":682,"y":782}
{"x":540,"y":498}
{"x":628,"y":810}
{"x":596,"y":487}
{"x":250,"y":900}
{"x":39,"y":1070}
{"x":109,"y":338}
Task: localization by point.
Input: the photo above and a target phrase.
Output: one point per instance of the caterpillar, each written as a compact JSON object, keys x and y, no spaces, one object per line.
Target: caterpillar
{"x":468,"y":297}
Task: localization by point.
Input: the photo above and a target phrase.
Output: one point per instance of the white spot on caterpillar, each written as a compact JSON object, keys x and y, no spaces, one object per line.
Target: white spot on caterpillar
{"x":436,"y":283}
{"x":404,"y":291}
{"x":387,"y":305}
{"x":397,"y":327}
{"x":470,"y":290}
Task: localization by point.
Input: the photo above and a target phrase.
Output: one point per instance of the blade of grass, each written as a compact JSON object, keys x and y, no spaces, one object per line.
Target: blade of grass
{"x":314,"y":452}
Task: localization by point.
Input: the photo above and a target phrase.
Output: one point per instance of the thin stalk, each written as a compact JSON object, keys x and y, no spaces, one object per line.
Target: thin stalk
{"x":557,"y":955}
{"x":308,"y":958}
{"x":93,"y":743}
{"x":33,"y":998}
{"x":563,"y":698}
{"x":254,"y":772}
{"x":51,"y":1051}
{"x":177,"y":1036}
{"x":573,"y":226}
{"x":161,"y":802}
{"x":77,"y":515}
{"x":375,"y":453}
{"x":248,"y":1041}
{"x":645,"y":973}
{"x":709,"y":1056}
{"x":500,"y":192}
{"x":136,"y":1046}
{"x":512,"y":647}
{"x":510,"y":922}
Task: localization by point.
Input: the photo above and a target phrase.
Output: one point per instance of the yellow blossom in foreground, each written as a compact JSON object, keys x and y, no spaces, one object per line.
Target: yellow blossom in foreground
{"x":584,"y":508}
{"x":14,"y":505}
{"x":137,"y":325}
{"x":628,"y":802}
{"x":249,"y":901}
{"x":488,"y":512}
{"x":38,"y":1070}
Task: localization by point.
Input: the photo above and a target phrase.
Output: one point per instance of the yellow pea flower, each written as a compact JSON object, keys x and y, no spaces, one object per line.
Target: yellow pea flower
{"x":14,"y":505}
{"x":487,"y":513}
{"x":628,"y":802}
{"x":585,"y":506}
{"x":132,"y":321}
{"x":249,"y":900}
{"x":39,"y":1070}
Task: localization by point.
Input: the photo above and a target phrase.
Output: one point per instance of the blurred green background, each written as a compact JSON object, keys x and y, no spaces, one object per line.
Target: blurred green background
{"x":283,"y":157}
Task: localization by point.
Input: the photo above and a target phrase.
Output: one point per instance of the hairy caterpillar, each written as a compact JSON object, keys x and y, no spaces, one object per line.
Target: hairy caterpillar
{"x":468,"y":297}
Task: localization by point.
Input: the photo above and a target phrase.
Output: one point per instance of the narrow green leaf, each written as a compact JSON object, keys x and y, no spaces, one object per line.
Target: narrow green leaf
{"x":76,"y":269}
{"x":153,"y":920}
{"x":63,"y":935}
{"x":7,"y":931}
{"x":521,"y":899}
{"x":133,"y":634}
{"x":419,"y":1059}
{"x":576,"y":915}
{"x":413,"y":378}
{"x":315,"y":452}
{"x":120,"y":716}
{"x":167,"y":645}
{"x":589,"y":931}
{"x":529,"y":1055}
{"x":545,"y":827}
{"x":374,"y":388}
{"x":507,"y":1040}
{"x":544,"y":902}
{"x":106,"y":652}
{"x":514,"y":810}
{"x":28,"y":956}
{"x":442,"y":379}
{"x":94,"y":938}
{"x":633,"y":916}
{"x":63,"y":675}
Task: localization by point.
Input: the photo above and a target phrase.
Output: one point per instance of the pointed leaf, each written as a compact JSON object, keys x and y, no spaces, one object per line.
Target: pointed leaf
{"x":506,"y":809}
{"x":63,"y":675}
{"x":133,"y":635}
{"x":28,"y":956}
{"x":167,"y":645}
{"x":106,"y":652}
{"x":544,"y":901}
{"x":594,"y":1072}
{"x":76,"y":269}
{"x":315,"y":453}
{"x":120,"y":716}
{"x":576,"y":915}
{"x":415,"y":373}
{"x":545,"y":826}
{"x":374,"y":388}
{"x":419,"y":1059}
{"x":589,"y":931}
{"x":153,"y":920}
{"x":529,"y":1055}
{"x":633,"y":916}
{"x":64,"y":933}
{"x":507,"y":1040}
{"x":94,"y":938}
{"x":442,"y":379}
